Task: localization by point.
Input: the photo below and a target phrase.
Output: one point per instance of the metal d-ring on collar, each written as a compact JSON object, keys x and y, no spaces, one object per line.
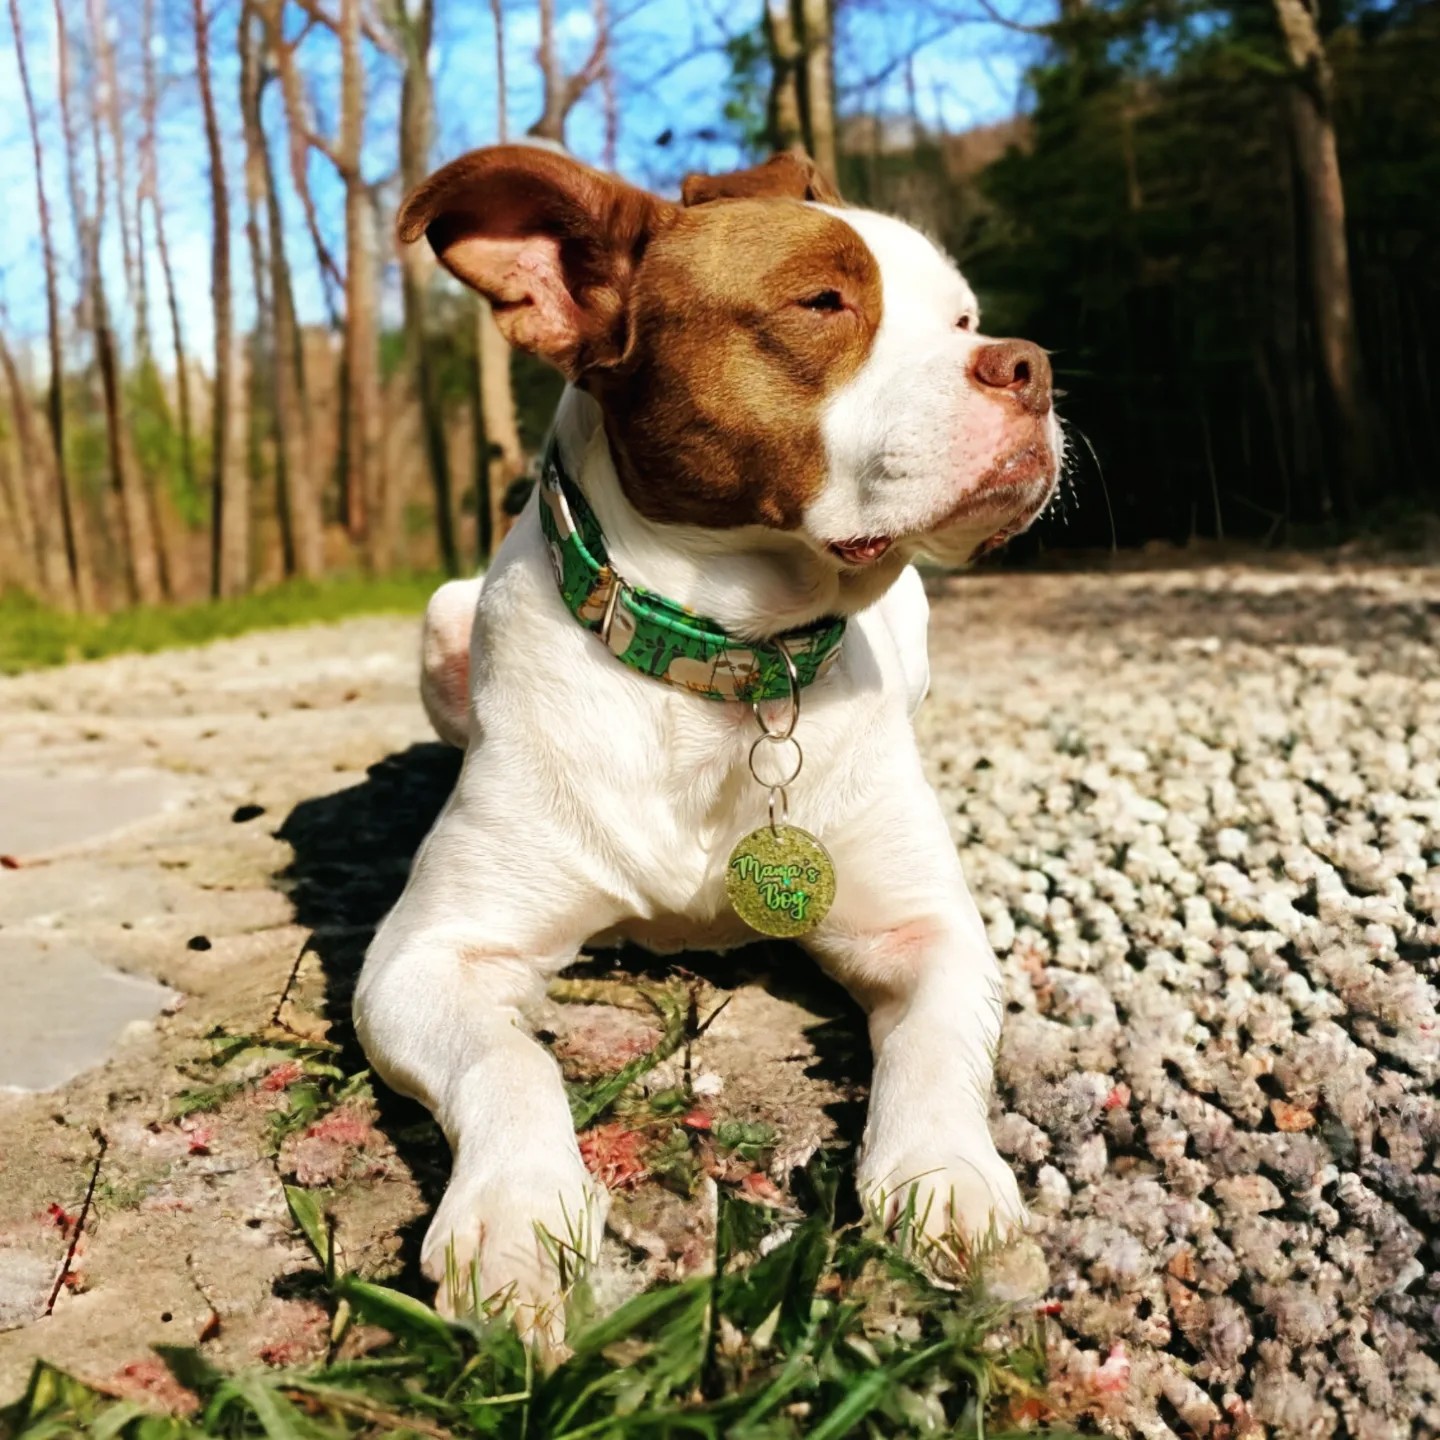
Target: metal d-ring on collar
{"x":779,"y":801}
{"x":617,"y":581}
{"x":612,"y":601}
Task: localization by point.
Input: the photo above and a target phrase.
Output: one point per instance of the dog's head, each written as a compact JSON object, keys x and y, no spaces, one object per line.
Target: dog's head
{"x":763,"y":355}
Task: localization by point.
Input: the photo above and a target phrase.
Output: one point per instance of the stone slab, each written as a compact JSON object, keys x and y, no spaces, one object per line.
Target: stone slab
{"x":63,"y":1012}
{"x":44,"y":812}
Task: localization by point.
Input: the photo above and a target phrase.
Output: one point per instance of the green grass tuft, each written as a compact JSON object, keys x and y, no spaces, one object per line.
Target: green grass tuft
{"x":33,"y":636}
{"x":830,"y":1334}
{"x":804,"y":1328}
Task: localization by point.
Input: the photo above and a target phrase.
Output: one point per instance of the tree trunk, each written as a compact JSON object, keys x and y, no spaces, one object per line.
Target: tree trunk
{"x":150,"y":183}
{"x":502,"y":99}
{"x":551,"y":124}
{"x":80,"y":587}
{"x":155,"y":510}
{"x":109,"y":100}
{"x":32,"y":484}
{"x":817,"y":85}
{"x":260,"y":342}
{"x":300,"y":140}
{"x":1312,"y":132}
{"x":498,"y":458}
{"x":365,"y":507}
{"x":301,"y":514}
{"x":170,"y":530}
{"x":18,"y":547}
{"x":609,"y":94}
{"x":417,"y":124}
{"x":786,"y":124}
{"x":505,"y":457}
{"x":229,"y":498}
{"x":142,"y":558}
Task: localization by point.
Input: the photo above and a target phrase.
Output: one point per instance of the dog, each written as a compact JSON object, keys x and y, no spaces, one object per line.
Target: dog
{"x":775,"y":403}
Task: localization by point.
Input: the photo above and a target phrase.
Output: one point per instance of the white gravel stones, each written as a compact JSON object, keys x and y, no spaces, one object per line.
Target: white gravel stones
{"x":1201,"y":813}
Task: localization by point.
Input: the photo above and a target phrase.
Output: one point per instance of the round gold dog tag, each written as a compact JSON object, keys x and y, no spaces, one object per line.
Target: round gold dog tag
{"x":781,"y":881}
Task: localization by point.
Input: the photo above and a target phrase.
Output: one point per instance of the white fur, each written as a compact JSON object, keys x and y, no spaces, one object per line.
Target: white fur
{"x":910,"y":432}
{"x":594,"y":802}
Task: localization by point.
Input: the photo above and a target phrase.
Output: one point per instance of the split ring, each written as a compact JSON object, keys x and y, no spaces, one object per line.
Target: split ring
{"x":776,"y":740}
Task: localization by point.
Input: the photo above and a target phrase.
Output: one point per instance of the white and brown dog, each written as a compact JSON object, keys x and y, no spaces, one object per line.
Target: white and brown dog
{"x":775,"y":404}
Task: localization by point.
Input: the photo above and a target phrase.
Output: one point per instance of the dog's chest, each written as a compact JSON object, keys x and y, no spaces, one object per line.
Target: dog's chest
{"x":705,"y":801}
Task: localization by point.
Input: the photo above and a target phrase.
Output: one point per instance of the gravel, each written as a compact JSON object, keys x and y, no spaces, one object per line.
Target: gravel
{"x":1201,"y":814}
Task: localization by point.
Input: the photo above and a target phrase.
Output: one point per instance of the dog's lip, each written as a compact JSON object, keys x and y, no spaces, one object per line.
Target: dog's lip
{"x":861,"y":550}
{"x":1009,"y":495}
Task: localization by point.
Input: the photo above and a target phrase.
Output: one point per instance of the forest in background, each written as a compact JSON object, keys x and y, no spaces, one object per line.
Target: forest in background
{"x":1222,"y":219}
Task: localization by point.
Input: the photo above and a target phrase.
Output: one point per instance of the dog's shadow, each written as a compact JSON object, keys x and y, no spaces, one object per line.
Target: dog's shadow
{"x":352,"y":853}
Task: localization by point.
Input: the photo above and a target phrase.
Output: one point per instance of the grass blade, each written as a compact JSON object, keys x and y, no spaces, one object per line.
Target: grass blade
{"x":399,"y":1313}
{"x":870,"y":1391}
{"x":306,"y":1212}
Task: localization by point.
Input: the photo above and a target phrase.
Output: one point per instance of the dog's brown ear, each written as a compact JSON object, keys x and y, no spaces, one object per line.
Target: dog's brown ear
{"x":791,"y":175}
{"x":551,"y":243}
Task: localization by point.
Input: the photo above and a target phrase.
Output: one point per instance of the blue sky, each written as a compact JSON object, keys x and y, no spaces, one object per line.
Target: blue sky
{"x":672,"y":75}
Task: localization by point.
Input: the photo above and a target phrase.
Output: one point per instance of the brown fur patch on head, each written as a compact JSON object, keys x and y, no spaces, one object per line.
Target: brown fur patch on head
{"x":747,"y":316}
{"x":792,"y":175}
{"x":711,"y":335}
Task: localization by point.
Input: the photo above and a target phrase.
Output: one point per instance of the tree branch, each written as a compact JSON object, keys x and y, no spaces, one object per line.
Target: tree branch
{"x":373,"y":31}
{"x":994,"y":15}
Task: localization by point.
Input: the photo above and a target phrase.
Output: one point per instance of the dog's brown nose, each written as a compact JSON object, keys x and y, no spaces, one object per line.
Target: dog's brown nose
{"x":1016,"y":366}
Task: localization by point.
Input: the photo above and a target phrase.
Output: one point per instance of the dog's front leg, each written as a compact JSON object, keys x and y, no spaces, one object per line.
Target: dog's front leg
{"x":906,"y":940}
{"x":441,"y":1010}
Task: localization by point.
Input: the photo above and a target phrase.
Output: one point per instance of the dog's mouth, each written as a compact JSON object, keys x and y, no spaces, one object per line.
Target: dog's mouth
{"x":1005,"y":500}
{"x":865,"y":550}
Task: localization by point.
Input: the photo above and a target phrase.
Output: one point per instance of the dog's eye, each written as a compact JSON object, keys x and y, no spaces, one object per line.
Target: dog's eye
{"x":965,"y":322}
{"x":824,"y":300}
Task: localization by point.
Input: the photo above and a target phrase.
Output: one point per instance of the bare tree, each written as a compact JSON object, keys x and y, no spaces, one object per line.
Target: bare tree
{"x":142,"y":558}
{"x":501,"y":458}
{"x":561,"y":92}
{"x":1312,"y":134}
{"x":18,"y":544}
{"x":31,"y":492}
{"x":609,"y":91}
{"x":259,"y":342}
{"x":782,"y":38}
{"x":158,"y":519}
{"x":80,"y":589}
{"x":502,"y":99}
{"x":504,"y":456}
{"x":150,"y":191}
{"x":298,"y":502}
{"x":817,"y":84}
{"x":361,"y":396}
{"x":170,"y":530}
{"x":109,"y":100}
{"x":417,"y":128}
{"x":229,"y":488}
{"x":363,"y":506}
{"x":799,"y":37}
{"x":300,"y":135}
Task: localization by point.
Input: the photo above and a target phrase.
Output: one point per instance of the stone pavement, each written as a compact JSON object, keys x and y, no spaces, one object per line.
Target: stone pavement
{"x":1200,"y":809}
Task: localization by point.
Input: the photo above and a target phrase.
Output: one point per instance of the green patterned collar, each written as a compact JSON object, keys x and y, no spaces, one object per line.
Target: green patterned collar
{"x":654,"y":635}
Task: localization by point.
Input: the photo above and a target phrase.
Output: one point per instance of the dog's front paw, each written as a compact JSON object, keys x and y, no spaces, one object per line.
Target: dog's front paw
{"x":950,"y":1203}
{"x":515,"y":1243}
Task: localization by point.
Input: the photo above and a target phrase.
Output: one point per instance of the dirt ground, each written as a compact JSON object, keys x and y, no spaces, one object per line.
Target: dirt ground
{"x":1200,"y":810}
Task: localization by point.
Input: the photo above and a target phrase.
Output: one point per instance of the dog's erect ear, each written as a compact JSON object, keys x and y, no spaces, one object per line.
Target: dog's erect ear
{"x":551,"y":243}
{"x":790,"y":175}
